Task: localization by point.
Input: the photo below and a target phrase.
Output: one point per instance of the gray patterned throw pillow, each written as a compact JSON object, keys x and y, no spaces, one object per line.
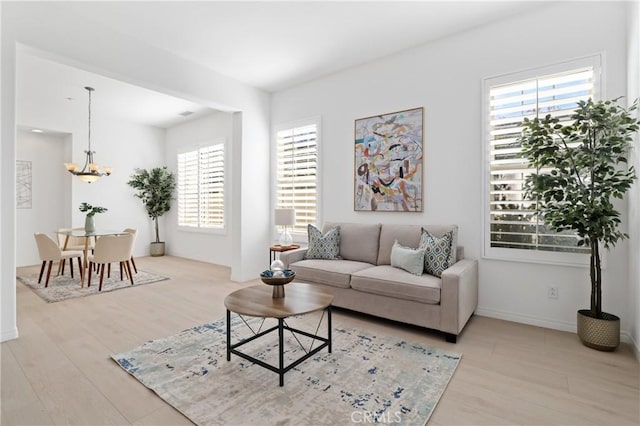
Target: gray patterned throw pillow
{"x":438,"y":252}
{"x":323,"y":246}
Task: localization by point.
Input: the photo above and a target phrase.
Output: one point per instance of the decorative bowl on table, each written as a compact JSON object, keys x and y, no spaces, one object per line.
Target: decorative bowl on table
{"x":277,"y":277}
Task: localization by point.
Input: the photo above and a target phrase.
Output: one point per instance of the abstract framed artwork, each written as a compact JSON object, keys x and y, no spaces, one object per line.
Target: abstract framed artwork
{"x":388,"y":162}
{"x":23,"y":184}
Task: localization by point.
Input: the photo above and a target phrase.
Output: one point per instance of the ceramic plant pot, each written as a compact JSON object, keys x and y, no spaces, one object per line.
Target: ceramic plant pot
{"x":157,"y":249}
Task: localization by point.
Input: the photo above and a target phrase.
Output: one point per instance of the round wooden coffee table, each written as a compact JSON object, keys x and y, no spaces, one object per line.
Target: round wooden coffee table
{"x":257,"y":301}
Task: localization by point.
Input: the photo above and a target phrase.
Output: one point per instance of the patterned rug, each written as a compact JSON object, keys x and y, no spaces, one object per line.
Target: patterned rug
{"x":63,"y":287}
{"x":367,"y":379}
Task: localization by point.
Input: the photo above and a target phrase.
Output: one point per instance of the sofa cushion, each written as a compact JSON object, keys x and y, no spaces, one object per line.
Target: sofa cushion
{"x":438,"y":252}
{"x":386,"y":280}
{"x":358,"y":241}
{"x":408,"y":259}
{"x":336,"y":273}
{"x":325,"y":246}
{"x":408,"y":236}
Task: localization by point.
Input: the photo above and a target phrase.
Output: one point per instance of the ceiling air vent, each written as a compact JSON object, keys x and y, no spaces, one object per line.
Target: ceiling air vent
{"x":186,"y":113}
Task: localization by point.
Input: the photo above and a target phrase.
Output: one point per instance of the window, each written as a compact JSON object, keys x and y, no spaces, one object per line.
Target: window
{"x":201,"y":188}
{"x":296,"y":173}
{"x":511,"y":221}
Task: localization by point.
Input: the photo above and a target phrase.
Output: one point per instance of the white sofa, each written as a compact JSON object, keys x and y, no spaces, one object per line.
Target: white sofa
{"x":363,"y":279}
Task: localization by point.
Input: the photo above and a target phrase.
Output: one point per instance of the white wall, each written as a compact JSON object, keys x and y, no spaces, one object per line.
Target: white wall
{"x":633,"y":92}
{"x":75,"y":40}
{"x":46,"y":153}
{"x":8,"y":325}
{"x":446,"y":78}
{"x":206,"y":246}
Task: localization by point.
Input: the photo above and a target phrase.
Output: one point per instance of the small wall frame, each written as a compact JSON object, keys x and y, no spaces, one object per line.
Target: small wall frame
{"x":23,"y":184}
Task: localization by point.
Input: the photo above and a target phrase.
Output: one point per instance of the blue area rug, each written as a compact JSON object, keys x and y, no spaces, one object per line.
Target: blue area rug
{"x":367,"y":379}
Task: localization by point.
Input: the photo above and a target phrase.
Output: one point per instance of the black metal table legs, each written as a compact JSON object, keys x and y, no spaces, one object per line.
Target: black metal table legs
{"x":280,"y":328}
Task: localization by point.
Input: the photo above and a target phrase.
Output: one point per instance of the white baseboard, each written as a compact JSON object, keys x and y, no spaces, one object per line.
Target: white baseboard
{"x":8,"y":334}
{"x":545,"y":323}
{"x":636,"y":348}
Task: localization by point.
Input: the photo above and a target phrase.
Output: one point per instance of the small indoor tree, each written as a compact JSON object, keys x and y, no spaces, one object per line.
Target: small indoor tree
{"x":155,"y":188}
{"x":582,"y":167}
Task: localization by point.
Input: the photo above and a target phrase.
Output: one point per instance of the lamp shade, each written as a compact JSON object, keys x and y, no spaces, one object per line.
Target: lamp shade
{"x":285,"y":217}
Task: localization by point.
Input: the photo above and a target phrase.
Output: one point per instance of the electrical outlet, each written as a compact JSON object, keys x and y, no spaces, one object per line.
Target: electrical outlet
{"x":552,"y":292}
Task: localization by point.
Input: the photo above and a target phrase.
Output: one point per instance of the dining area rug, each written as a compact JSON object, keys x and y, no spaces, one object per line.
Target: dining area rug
{"x":369,"y":378}
{"x":63,"y":287}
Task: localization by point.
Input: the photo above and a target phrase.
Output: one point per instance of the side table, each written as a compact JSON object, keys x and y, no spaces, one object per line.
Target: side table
{"x":277,"y":248}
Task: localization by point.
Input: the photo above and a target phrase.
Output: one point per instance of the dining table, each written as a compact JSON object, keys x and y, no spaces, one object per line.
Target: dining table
{"x":81,"y":233}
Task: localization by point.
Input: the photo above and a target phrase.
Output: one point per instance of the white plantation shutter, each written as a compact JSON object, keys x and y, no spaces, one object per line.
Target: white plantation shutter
{"x":188,"y":189}
{"x":513,"y":222}
{"x":296,"y":170}
{"x":201,"y":187}
{"x":212,"y":186}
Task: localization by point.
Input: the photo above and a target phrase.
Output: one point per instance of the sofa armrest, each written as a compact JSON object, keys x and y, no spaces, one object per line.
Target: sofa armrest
{"x":458,"y":295}
{"x":292,"y":256}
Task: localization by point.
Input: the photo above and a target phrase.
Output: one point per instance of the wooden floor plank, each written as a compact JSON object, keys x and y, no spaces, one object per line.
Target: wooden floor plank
{"x":165,"y":416}
{"x":20,"y":403}
{"x":32,"y":414}
{"x":66,"y":393}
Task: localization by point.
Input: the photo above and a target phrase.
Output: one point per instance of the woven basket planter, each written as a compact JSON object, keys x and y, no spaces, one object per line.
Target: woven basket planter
{"x":602,"y":334}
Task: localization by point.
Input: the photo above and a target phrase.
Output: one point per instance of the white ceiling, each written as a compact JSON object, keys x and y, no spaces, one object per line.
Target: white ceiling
{"x":61,"y":87}
{"x":270,"y":45}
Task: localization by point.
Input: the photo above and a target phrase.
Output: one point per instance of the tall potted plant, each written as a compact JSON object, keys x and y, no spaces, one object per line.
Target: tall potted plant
{"x":155,"y":188}
{"x":582,"y":168}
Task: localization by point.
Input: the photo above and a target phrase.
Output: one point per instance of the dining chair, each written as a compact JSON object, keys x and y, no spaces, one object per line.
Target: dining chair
{"x":73,"y":243}
{"x":112,"y":249}
{"x":50,"y":251}
{"x":135,"y":233}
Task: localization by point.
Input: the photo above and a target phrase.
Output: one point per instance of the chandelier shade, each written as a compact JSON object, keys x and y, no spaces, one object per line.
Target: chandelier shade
{"x":91,"y":171}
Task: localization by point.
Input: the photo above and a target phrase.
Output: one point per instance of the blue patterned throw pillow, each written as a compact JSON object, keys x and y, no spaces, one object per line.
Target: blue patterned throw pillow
{"x":437,"y":256}
{"x":323,"y":246}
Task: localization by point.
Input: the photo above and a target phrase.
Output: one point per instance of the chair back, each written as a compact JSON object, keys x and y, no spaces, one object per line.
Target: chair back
{"x":134,"y":232}
{"x":113,"y":248}
{"x":47,"y":247}
{"x":131,"y":231}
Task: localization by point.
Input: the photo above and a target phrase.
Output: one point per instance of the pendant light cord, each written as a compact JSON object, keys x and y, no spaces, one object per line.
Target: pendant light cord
{"x":89,"y":90}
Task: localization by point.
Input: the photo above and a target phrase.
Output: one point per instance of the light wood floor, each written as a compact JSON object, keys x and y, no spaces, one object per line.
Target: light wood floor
{"x":59,"y":370}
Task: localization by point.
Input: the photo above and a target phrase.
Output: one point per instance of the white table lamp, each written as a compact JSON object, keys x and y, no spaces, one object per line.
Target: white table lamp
{"x":285,"y":217}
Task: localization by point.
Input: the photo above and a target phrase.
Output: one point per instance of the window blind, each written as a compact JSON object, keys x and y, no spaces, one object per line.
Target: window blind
{"x":296,"y":181}
{"x":513,"y":222}
{"x":188,"y":189}
{"x":201,"y":187}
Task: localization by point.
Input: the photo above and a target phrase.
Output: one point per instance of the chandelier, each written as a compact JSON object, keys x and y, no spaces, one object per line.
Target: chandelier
{"x":91,"y":171}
